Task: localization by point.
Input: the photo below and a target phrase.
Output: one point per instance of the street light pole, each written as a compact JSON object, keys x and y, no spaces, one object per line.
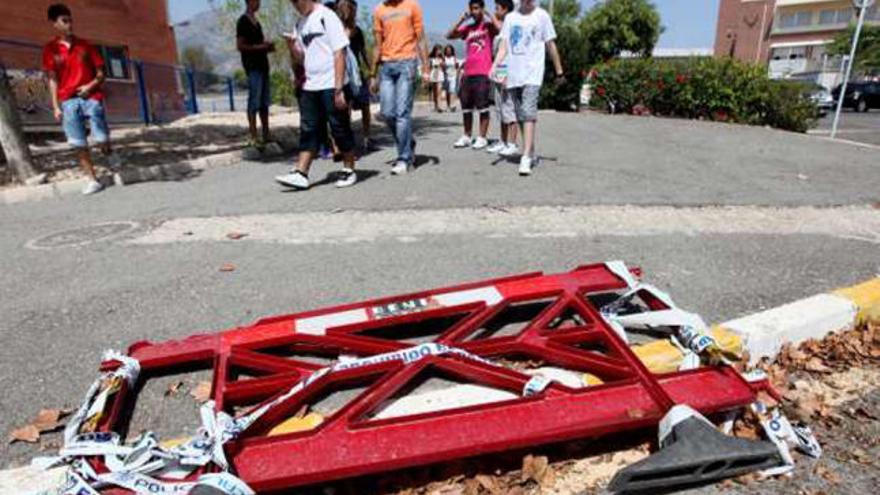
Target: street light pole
{"x":863,"y":4}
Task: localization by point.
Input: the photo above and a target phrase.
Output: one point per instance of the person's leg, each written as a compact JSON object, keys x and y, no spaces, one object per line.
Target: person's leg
{"x":388,"y":98}
{"x":435,"y":89}
{"x":340,"y":129}
{"x":94,"y":111}
{"x":74,"y":124}
{"x":265,"y":104}
{"x":311,"y":123}
{"x":485,"y":119}
{"x":512,"y":133}
{"x":530,"y":97}
{"x":405,"y":91}
{"x":255,"y":87}
{"x":468,"y":117}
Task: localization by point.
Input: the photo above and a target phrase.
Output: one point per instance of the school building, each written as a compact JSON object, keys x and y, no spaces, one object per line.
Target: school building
{"x":790,"y":36}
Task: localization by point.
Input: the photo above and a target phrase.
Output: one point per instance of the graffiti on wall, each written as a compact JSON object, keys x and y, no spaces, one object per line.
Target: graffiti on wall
{"x":31,"y":95}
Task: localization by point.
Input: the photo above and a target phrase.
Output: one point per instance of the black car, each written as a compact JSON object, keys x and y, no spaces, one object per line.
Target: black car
{"x":860,"y":96}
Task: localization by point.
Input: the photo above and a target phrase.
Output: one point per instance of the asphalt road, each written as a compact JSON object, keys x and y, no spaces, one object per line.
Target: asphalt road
{"x":64,"y":298}
{"x":854,"y":126}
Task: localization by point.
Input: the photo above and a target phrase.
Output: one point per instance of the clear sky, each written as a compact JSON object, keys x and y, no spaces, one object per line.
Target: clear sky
{"x":689,"y":23}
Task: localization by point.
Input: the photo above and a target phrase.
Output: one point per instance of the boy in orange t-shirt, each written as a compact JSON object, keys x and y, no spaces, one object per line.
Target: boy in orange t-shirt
{"x":399,"y":31}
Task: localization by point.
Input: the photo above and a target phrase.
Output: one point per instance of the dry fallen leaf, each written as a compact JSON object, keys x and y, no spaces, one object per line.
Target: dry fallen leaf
{"x":489,"y":484}
{"x":49,"y":419}
{"x":236,"y":235}
{"x":173,"y":388}
{"x":202,"y":392}
{"x":227,"y":267}
{"x":27,"y":433}
{"x":816,"y":365}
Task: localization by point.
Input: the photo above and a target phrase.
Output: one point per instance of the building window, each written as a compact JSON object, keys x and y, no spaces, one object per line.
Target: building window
{"x":796,"y":19}
{"x":116,"y":64}
{"x":873,"y":13}
{"x":789,"y":53}
{"x":828,"y":17}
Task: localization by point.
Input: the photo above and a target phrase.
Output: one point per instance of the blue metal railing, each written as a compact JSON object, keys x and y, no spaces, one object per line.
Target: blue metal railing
{"x":155,"y":93}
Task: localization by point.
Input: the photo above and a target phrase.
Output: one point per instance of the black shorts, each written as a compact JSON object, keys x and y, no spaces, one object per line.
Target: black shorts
{"x":476,"y":93}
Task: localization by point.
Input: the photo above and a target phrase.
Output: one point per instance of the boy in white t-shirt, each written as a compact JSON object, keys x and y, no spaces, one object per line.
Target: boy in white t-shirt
{"x":319,"y":45}
{"x":528,"y":34}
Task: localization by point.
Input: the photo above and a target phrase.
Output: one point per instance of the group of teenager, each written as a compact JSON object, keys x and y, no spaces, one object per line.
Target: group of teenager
{"x":333,"y":74}
{"x":504,"y":66}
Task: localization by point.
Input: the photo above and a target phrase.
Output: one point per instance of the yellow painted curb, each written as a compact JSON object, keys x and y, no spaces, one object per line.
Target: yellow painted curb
{"x":294,"y":425}
{"x":865,"y":296}
{"x":663,"y":357}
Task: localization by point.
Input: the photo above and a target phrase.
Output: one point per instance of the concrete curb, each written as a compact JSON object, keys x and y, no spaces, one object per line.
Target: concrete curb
{"x":127,"y":177}
{"x":761,"y":335}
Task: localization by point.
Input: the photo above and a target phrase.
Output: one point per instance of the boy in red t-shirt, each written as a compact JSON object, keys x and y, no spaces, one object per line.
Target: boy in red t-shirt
{"x":76,"y":72}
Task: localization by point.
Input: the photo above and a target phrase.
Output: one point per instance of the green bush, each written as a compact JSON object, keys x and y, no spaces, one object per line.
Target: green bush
{"x":715,"y":89}
{"x":282,"y":88}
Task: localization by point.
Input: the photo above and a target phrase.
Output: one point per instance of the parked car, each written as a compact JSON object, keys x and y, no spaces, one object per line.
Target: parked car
{"x":860,"y":96}
{"x":820,"y":95}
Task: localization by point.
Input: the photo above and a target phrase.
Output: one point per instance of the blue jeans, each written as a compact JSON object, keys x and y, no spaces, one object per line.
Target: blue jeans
{"x":76,"y":112}
{"x":259,"y":92}
{"x":396,"y":95}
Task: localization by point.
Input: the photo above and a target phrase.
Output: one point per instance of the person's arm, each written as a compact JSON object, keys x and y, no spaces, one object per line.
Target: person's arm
{"x":550,"y":42}
{"x":98,"y":63}
{"x":419,"y":26}
{"x":499,"y":58}
{"x":339,"y":42}
{"x":53,"y":91}
{"x":497,"y":24}
{"x":554,"y":56}
{"x":339,"y":79}
{"x":455,"y":33}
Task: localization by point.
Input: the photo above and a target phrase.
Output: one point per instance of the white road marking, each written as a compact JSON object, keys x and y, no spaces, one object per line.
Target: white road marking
{"x":408,"y":226}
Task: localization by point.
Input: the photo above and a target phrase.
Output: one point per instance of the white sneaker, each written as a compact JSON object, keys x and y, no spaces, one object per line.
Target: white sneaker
{"x":92,"y":187}
{"x":400,"y":168}
{"x":525,"y":166}
{"x":480,"y":143}
{"x":510,"y":150}
{"x":463,"y":142}
{"x":295,"y":180}
{"x":346,"y":178}
{"x":497,"y":147}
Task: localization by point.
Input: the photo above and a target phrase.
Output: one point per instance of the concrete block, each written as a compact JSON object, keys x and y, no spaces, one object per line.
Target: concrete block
{"x":765,"y":333}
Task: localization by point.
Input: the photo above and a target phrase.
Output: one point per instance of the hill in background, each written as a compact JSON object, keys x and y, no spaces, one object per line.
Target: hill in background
{"x":209,"y":31}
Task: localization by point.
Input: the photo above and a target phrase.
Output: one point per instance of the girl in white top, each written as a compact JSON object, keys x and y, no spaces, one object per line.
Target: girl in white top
{"x":436,"y":77}
{"x":450,"y":68}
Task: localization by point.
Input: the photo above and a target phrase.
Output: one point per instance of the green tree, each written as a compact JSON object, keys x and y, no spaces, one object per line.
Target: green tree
{"x":615,"y":26}
{"x":197,"y":59}
{"x":574,"y":52}
{"x":868,"y":51}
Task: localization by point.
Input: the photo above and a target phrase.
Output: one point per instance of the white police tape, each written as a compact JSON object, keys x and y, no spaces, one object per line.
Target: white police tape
{"x":133,"y":466}
{"x":779,"y":430}
{"x":691,"y":332}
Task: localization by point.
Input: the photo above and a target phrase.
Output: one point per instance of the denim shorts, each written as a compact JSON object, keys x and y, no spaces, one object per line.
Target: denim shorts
{"x":317,"y":110}
{"x":76,"y":112}
{"x":525,"y":102}
{"x":259,"y":92}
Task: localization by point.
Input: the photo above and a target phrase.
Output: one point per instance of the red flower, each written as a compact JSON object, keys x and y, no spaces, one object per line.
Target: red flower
{"x":600,"y":91}
{"x":660,"y":85}
{"x":680,"y":78}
